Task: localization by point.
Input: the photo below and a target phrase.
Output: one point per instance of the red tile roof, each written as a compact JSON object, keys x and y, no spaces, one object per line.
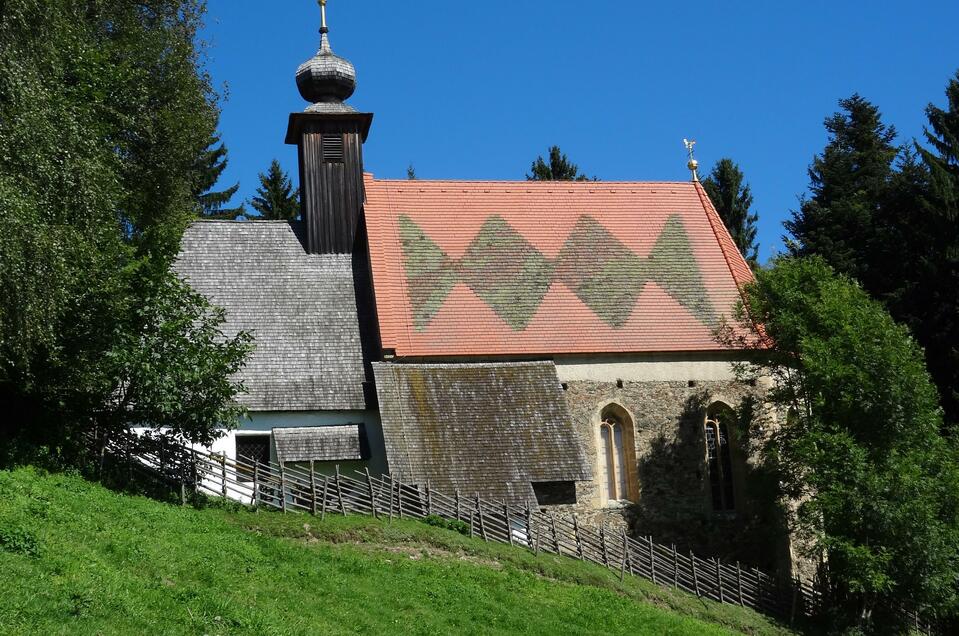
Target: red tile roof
{"x":536,"y":268}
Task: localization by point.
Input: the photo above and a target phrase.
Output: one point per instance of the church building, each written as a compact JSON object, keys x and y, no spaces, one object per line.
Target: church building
{"x":550,"y":343}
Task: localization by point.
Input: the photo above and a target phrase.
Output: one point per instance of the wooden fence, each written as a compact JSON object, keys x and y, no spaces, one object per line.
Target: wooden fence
{"x":301,"y":489}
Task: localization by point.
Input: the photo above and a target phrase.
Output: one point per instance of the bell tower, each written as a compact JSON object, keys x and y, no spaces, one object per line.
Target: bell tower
{"x":329,"y":137}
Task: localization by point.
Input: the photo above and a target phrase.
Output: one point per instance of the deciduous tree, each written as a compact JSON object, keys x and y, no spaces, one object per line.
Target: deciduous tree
{"x":860,"y":450}
{"x":105,"y":113}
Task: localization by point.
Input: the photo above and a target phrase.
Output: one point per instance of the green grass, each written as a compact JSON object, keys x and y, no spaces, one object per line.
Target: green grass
{"x":76,"y":558}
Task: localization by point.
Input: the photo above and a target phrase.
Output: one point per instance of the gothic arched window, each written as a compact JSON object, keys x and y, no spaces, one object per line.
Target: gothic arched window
{"x":719,"y":457}
{"x":615,"y":455}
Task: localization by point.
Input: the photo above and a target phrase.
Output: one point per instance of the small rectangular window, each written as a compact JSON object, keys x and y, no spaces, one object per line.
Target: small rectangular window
{"x":333,"y":148}
{"x":250,"y":450}
{"x":554,"y":493}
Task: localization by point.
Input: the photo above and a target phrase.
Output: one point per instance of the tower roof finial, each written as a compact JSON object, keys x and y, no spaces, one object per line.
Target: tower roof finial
{"x":327,"y":79}
{"x":693,"y":165}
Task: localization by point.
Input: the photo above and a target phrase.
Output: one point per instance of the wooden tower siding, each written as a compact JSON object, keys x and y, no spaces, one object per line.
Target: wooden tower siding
{"x":331,"y":188}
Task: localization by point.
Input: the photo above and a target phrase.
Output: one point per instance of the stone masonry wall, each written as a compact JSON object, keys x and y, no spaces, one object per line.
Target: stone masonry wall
{"x":674,"y":502}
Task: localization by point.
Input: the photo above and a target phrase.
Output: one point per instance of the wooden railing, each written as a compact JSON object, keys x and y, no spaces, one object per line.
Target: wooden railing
{"x":298,"y":489}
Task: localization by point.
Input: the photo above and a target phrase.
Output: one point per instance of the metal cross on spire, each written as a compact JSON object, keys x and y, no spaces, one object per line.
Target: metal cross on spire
{"x":323,"y":27}
{"x":693,"y":164}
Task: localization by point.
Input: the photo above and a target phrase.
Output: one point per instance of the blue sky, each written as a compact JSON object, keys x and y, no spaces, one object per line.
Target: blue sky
{"x":476,"y":90}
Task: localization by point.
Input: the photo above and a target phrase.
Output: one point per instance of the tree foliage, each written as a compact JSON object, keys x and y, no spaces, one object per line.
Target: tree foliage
{"x":105,"y":113}
{"x":559,"y":168}
{"x":214,"y":204}
{"x":930,"y":303}
{"x":886,"y":216}
{"x":876,"y":485}
{"x":848,"y":182}
{"x":275,"y":198}
{"x":732,"y":198}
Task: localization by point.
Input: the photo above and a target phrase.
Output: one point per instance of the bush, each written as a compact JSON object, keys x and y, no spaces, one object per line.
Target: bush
{"x":455,"y":524}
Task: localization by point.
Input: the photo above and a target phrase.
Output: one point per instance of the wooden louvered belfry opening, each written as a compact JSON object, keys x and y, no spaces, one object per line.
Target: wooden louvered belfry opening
{"x":332,"y":148}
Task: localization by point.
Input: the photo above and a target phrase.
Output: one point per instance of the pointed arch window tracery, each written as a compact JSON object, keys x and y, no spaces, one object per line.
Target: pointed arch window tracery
{"x":719,"y":459}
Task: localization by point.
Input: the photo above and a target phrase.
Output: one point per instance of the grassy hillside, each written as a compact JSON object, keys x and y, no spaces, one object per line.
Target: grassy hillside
{"x":79,"y":559}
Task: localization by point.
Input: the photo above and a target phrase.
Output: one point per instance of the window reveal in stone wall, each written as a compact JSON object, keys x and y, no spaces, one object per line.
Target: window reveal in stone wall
{"x":615,"y":455}
{"x":719,"y":459}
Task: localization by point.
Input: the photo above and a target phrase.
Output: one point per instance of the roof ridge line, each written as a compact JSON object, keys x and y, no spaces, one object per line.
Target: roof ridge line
{"x":713,"y":216}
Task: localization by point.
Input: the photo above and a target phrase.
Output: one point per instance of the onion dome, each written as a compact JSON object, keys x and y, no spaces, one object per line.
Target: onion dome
{"x":327,"y":79}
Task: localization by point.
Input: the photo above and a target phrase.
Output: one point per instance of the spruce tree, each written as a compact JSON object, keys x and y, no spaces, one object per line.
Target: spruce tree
{"x":209,"y":167}
{"x":411,"y":173}
{"x":559,"y":168}
{"x":275,"y":198}
{"x":848,"y":182}
{"x":933,"y":301}
{"x":732,"y":199}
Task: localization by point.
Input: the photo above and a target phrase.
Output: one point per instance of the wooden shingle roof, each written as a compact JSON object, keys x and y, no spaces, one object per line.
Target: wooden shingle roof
{"x":301,"y":309}
{"x":490,"y":429}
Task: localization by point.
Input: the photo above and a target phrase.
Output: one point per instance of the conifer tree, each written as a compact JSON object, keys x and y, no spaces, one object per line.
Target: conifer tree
{"x":731,"y":196}
{"x":275,"y":198}
{"x":209,"y":167}
{"x":933,"y":300}
{"x":559,"y":168}
{"x":411,"y":173}
{"x":848,"y":182}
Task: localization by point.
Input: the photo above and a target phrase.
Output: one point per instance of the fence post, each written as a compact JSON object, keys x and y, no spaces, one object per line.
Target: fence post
{"x":622,"y":569}
{"x":472,"y":524}
{"x":479,"y":511}
{"x":103,"y":455}
{"x":457,"y":499}
{"x":369,"y":480}
{"x":282,"y":487}
{"x":552,"y":526}
{"x":692,"y":560}
{"x":719,"y":581}
{"x":339,"y":491}
{"x":399,"y":495}
{"x":759,"y":588}
{"x":539,"y":539}
{"x":509,"y":529}
{"x":602,"y":543}
{"x":628,"y":556}
{"x":652,"y":559}
{"x":129,"y":454}
{"x":675,"y":567}
{"x":739,"y":584}
{"x":392,"y":488}
{"x":255,"y":499}
{"x":579,"y":544}
{"x":223,"y":473}
{"x":529,"y":528}
{"x":196,"y":473}
{"x":312,"y":489}
{"x":160,"y":454}
{"x":429,"y":498}
{"x":792,"y":612}
{"x":326,"y":490}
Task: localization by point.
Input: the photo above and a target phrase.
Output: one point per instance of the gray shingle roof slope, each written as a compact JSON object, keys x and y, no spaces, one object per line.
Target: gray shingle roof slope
{"x":320,"y":443}
{"x":489,"y":429}
{"x":301,"y":309}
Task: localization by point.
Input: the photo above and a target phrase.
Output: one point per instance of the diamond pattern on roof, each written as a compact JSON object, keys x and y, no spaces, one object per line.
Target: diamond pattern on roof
{"x":512,"y":276}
